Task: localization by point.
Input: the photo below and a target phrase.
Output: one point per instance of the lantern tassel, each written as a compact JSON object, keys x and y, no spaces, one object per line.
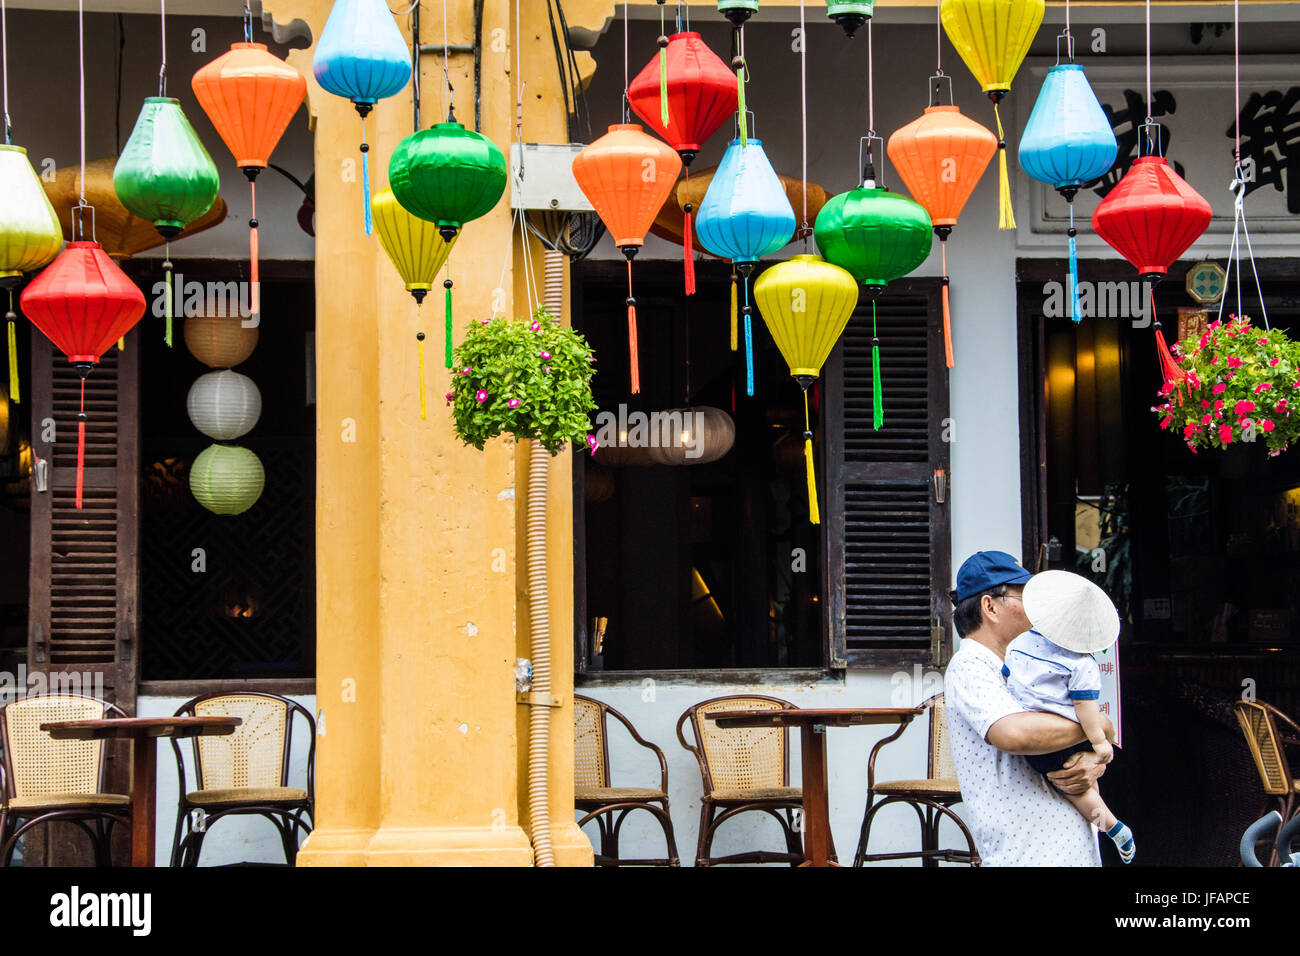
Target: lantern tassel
{"x":1006,"y":212}
{"x":877,"y":392}
{"x":424,"y":405}
{"x":167,"y":292}
{"x":13,"y":353}
{"x":1076,"y":313}
{"x":749,"y":353}
{"x":365,"y":177}
{"x":947,"y":317}
{"x":633,"y":358}
{"x":734,"y":312}
{"x":447,"y":323}
{"x":814,"y":514}
{"x":81,"y":440}
{"x":663,"y":74}
{"x":254,"y":290}
{"x":688,"y":246}
{"x":741,"y":118}
{"x":1170,"y":371}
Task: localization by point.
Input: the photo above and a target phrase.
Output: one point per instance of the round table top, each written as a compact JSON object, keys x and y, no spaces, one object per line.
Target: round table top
{"x":824,"y":716}
{"x":141,"y":727}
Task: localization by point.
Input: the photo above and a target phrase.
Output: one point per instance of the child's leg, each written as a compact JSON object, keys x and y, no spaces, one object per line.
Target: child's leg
{"x":1095,"y":811}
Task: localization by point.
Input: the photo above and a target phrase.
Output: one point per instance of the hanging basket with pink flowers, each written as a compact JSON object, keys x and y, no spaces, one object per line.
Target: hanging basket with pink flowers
{"x":1243,"y":385}
{"x":530,"y":378}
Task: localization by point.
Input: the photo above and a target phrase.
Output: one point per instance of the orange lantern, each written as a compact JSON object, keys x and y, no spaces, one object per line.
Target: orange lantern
{"x":627,"y":174}
{"x":940,"y":156}
{"x":250,"y":95}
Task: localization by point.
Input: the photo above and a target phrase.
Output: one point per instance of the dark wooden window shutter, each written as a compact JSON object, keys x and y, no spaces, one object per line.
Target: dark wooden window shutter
{"x":888,"y":538}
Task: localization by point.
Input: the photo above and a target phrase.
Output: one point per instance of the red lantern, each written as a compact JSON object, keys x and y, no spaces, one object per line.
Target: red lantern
{"x":83,"y":303}
{"x":1151,"y":217}
{"x":684,"y":94}
{"x":627,"y":175}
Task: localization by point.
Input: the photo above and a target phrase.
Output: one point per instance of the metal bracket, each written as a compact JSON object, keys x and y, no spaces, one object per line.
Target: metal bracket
{"x":537,"y":698}
{"x":38,"y":644}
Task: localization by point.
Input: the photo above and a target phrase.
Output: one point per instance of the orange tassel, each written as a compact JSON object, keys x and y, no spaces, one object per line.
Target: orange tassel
{"x":254,"y":292}
{"x":947,"y":314}
{"x":634,"y":359}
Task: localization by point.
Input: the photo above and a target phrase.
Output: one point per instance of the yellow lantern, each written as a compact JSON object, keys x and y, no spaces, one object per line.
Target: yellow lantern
{"x":993,"y":37}
{"x":806,"y":303}
{"x":417,"y":250}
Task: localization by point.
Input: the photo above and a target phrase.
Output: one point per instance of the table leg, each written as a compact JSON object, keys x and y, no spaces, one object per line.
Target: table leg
{"x":816,"y":804}
{"x":144,"y":798}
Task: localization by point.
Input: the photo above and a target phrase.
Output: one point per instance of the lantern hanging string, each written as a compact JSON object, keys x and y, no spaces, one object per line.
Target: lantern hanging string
{"x":4,"y":66}
{"x":625,"y":70}
{"x":162,"y":29}
{"x":81,"y":56}
{"x":803,"y":119}
{"x":450,"y":92}
{"x":871,"y":93}
{"x":248,"y":21}
{"x":938,"y":38}
{"x":415,"y":65}
{"x":1148,"y":58}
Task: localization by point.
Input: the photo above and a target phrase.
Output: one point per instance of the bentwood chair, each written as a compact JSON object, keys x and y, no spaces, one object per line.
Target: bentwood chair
{"x":245,"y":773}
{"x":1259,"y":722}
{"x":743,"y":769}
{"x":932,"y":798}
{"x":609,"y":806}
{"x":48,"y":780}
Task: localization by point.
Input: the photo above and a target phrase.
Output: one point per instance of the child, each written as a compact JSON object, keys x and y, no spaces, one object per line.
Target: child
{"x":1051,"y":668}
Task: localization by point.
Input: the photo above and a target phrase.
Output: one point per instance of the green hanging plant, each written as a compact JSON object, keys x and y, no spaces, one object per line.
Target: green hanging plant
{"x":1243,"y":385}
{"x":530,"y":378}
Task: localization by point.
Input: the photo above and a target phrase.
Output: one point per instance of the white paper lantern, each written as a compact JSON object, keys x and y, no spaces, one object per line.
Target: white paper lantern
{"x":227,"y":479}
{"x":224,"y":405}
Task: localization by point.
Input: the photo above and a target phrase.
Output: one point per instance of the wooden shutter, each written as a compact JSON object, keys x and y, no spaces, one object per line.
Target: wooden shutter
{"x":84,"y":597}
{"x":888,"y":539}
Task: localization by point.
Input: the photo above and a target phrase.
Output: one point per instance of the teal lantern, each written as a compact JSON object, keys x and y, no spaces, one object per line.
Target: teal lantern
{"x":447,"y":175}
{"x":165,"y":176}
{"x":850,"y":16}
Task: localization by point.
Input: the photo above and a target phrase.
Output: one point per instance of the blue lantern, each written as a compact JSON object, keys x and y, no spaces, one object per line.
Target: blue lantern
{"x":745,"y":215}
{"x":362,"y":57}
{"x":1068,"y":142}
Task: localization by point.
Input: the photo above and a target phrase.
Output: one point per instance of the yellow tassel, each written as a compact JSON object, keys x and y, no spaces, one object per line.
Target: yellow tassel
{"x":1006,"y":212}
{"x":814,"y":514}
{"x":121,"y":344}
{"x":735,"y":341}
{"x":424,"y":404}
{"x":13,"y":363}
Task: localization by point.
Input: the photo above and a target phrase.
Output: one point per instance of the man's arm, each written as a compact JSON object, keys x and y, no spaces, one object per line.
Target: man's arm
{"x":1034,"y":732}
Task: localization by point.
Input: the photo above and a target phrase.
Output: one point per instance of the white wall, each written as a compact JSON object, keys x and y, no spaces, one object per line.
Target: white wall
{"x":232,"y":840}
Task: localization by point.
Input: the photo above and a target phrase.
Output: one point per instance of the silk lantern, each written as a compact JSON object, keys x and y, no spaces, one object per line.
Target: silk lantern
{"x":1068,"y":142}
{"x":626,"y":175}
{"x":707,"y":434}
{"x":684,"y":95}
{"x":220,"y":341}
{"x":166,"y":177}
{"x":940,"y":156}
{"x":30,"y":236}
{"x":850,"y":14}
{"x":417,"y":251}
{"x":806,"y":302}
{"x":83,"y":303}
{"x":745,"y":215}
{"x":250,"y":95}
{"x":227,"y":479}
{"x":362,"y":57}
{"x":992,"y":37}
{"x":1151,"y":217}
{"x":224,"y":405}
{"x":737,"y":11}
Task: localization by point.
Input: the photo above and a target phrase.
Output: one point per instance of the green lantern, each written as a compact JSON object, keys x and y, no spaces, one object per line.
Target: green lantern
{"x":875,"y":234}
{"x":165,"y":176}
{"x":850,"y":15}
{"x":447,"y":175}
{"x":227,"y":479}
{"x":737,"y":11}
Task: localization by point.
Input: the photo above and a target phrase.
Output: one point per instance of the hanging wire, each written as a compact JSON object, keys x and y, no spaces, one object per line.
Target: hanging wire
{"x":81,"y":54}
{"x":446,"y":68}
{"x":4,"y":65}
{"x":1148,"y":29}
{"x":415,"y":64}
{"x":938,"y":38}
{"x":162,"y":29}
{"x":871,"y":87}
{"x":803,"y":117}
{"x":625,"y":70}
{"x":248,"y":22}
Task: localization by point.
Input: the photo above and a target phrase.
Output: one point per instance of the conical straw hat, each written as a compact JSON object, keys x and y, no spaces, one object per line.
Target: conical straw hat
{"x":1071,"y":612}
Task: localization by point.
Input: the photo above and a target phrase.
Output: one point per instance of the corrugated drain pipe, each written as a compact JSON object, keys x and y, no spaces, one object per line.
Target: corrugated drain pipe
{"x":539,"y":716}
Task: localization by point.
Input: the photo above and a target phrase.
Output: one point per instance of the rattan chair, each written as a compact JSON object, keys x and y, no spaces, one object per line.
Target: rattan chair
{"x":932,"y":798}
{"x":743,"y":769}
{"x":245,"y":773}
{"x":47,"y":780}
{"x":1268,"y":748}
{"x":609,"y":806}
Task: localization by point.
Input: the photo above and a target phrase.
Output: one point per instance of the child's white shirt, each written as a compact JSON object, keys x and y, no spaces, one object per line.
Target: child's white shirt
{"x":1046,"y":677}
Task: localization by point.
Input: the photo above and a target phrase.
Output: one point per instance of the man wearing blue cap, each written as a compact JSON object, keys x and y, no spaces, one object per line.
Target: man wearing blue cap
{"x":1015,"y":816}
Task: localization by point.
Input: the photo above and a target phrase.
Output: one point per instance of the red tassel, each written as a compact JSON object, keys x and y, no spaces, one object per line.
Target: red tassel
{"x":947,"y":317}
{"x":690,"y":253}
{"x":81,"y":442}
{"x":634,"y":359}
{"x":1172,"y":373}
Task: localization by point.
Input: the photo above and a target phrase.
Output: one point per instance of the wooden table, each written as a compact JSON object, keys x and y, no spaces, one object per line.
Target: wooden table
{"x":812,"y":724}
{"x":143,"y":732}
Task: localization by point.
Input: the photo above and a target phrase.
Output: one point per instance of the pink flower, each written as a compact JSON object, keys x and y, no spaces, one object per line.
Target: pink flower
{"x":1215,"y":360}
{"x":450,"y":396}
{"x":513,"y":403}
{"x":592,"y":443}
{"x":1244,"y":407}
{"x":485,"y":322}
{"x":1205,"y":420}
{"x":1266,"y":424}
{"x":1262,"y":387}
{"x":536,"y":326}
{"x":1205,"y":403}
{"x":1219,"y":389}
{"x":1225,"y":434}
{"x":1188,"y":431}
{"x":546,"y":356}
{"x":1274,"y":360}
{"x":1263,"y":340}
{"x":482,"y":395}
{"x":1280,"y":407}
{"x":1215,"y":324}
{"x":467,"y":369}
{"x":1234,"y":362}
{"x":1166,"y":422}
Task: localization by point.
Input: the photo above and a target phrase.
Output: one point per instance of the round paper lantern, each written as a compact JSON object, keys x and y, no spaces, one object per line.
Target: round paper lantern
{"x":850,"y":14}
{"x":224,"y":405}
{"x":227,"y":479}
{"x":806,"y":303}
{"x":627,"y":175}
{"x":448,"y":175}
{"x":940,"y":156}
{"x":707,"y":434}
{"x":1068,"y":142}
{"x":220,"y":341}
{"x":875,"y":234}
{"x":745,"y":215}
{"x":362,"y":57}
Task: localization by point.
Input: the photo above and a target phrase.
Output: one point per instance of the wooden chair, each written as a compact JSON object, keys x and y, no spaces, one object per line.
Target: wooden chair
{"x":245,"y":773}
{"x":743,"y":769}
{"x":1268,"y":749}
{"x":593,"y":795}
{"x":47,"y":780}
{"x":931,"y":798}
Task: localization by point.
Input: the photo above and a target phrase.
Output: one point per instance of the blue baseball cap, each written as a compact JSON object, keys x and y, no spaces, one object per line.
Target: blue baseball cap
{"x":987,"y":569}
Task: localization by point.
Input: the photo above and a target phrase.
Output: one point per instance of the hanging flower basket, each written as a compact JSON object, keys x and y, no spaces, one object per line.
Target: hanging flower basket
{"x":1243,"y":385}
{"x":530,"y":378}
